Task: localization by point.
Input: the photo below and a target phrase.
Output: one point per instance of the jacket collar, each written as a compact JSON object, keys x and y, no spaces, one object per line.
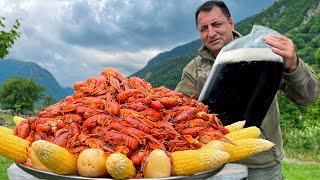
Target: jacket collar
{"x":204,"y":52}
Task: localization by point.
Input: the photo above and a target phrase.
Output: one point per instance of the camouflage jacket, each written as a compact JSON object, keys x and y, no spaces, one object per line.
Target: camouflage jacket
{"x":301,"y":87}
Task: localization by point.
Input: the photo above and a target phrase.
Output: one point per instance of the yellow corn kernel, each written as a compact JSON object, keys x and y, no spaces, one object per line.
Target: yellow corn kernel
{"x":17,"y":120}
{"x":6,"y":130}
{"x":119,"y":166}
{"x":246,"y":147}
{"x":189,"y":162}
{"x":56,"y":158}
{"x":249,"y":132}
{"x":214,"y":144}
{"x":235,"y":126}
{"x":13,"y":147}
{"x":35,"y":162}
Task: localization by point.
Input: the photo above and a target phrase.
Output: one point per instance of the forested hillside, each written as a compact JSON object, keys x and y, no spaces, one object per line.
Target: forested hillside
{"x":299,"y":20}
{"x":166,"y":68}
{"x":11,"y":67}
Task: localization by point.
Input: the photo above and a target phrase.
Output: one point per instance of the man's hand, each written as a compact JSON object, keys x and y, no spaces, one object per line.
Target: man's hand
{"x":284,"y":47}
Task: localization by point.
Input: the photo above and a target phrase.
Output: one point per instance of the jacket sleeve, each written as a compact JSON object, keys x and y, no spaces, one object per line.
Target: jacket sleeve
{"x":302,"y":85}
{"x":188,"y":82}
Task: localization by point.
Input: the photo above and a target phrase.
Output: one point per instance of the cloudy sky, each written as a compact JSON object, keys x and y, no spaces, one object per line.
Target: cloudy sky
{"x":75,"y":39}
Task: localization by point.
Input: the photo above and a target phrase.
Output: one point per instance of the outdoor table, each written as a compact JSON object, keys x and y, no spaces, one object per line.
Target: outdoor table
{"x":230,"y":171}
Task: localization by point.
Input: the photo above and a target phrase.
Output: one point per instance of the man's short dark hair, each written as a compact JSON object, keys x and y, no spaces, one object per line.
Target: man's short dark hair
{"x":207,"y":6}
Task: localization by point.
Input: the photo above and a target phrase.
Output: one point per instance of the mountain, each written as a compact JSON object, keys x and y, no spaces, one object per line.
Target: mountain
{"x":69,"y":90}
{"x":299,"y":20}
{"x":12,"y":67}
{"x":166,"y":67}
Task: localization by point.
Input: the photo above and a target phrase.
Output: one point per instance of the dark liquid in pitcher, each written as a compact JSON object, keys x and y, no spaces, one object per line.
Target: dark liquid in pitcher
{"x":242,"y":90}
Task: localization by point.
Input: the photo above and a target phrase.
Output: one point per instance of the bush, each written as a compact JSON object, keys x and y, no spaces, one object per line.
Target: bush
{"x":303,"y":143}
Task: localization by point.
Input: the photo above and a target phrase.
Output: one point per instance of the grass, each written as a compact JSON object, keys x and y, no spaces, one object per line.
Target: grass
{"x":298,"y":171}
{"x":4,"y":165}
{"x":8,"y":118}
{"x":305,"y":156}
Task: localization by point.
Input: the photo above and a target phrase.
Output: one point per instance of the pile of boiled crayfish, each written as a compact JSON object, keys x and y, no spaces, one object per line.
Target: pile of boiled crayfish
{"x":127,"y":115}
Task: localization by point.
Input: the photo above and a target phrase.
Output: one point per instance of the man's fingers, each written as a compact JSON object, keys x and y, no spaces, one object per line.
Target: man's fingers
{"x":279,"y":39}
{"x":277,"y":36}
{"x":276,"y":43}
{"x":279,"y":52}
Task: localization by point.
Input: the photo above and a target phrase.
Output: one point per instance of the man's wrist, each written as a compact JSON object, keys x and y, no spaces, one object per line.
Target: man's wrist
{"x":293,"y":66}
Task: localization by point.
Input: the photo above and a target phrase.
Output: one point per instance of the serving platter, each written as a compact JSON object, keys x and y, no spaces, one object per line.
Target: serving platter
{"x":52,"y":176}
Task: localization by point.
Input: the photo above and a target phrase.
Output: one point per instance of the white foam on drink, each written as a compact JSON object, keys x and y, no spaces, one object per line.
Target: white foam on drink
{"x":247,"y":54}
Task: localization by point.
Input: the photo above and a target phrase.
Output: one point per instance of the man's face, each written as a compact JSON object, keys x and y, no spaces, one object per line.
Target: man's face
{"x":215,"y":29}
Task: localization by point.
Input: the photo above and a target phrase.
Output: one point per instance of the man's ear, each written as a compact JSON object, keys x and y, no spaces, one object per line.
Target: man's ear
{"x":231,"y":23}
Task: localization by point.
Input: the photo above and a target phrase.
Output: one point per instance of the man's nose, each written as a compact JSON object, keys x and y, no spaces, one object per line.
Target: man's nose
{"x":211,"y":32}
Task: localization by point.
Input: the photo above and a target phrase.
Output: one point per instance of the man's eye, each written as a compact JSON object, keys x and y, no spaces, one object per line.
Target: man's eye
{"x":217,"y":24}
{"x":203,"y":29}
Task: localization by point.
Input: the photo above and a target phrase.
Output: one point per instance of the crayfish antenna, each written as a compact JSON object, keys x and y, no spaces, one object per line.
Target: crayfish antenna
{"x":223,"y":138}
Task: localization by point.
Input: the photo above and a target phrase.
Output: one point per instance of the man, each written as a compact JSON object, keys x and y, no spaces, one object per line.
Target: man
{"x":300,"y":84}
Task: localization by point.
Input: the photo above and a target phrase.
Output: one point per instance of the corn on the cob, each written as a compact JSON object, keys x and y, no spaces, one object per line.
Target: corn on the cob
{"x":6,"y":130}
{"x":13,"y":147}
{"x":120,"y":166}
{"x":17,"y":119}
{"x":35,"y":161}
{"x":214,"y":144}
{"x":194,"y":161}
{"x":55,"y":158}
{"x":249,"y":132}
{"x":235,"y":126}
{"x":246,"y":147}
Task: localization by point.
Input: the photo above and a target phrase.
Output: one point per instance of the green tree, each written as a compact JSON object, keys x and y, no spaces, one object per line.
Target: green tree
{"x":317,"y":56}
{"x":48,"y":100}
{"x":290,"y":113}
{"x":7,"y":38}
{"x":312,"y":115}
{"x":20,"y":94}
